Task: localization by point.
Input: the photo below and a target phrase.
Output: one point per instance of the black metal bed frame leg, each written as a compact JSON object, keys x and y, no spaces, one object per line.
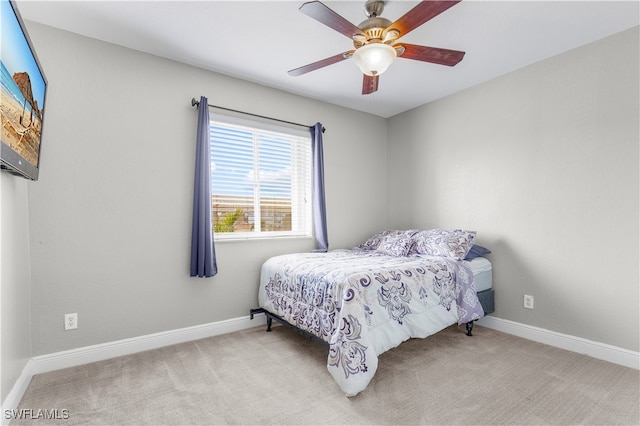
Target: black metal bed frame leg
{"x":469,"y":328}
{"x":269,"y":316}
{"x":252,"y":312}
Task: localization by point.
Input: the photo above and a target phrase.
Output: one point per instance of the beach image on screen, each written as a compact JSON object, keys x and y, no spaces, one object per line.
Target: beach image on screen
{"x":23,"y":88}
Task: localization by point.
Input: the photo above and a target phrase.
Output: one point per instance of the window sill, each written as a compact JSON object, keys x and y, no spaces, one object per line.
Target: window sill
{"x":228,"y":239}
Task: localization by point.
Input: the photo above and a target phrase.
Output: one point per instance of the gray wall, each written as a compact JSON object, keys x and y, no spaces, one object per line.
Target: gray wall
{"x":543,"y":164}
{"x":15,"y":280}
{"x":111,"y":214}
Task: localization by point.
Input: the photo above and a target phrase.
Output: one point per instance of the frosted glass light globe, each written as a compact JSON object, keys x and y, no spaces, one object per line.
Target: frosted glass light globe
{"x":374,"y":58}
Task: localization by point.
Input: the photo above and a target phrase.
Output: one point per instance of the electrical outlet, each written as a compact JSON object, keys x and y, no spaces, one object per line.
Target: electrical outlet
{"x":528,"y":301}
{"x":70,"y":321}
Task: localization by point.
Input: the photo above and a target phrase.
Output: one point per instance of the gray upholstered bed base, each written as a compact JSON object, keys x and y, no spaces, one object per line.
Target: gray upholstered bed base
{"x":486,"y":300}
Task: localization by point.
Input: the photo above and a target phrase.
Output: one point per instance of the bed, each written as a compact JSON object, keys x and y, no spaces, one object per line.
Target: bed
{"x":397,"y":285}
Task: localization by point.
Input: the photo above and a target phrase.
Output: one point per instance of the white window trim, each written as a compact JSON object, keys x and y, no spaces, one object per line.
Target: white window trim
{"x":224,"y":119}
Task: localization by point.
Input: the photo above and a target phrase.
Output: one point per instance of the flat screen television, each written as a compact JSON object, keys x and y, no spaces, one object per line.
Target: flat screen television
{"x":24,"y":86}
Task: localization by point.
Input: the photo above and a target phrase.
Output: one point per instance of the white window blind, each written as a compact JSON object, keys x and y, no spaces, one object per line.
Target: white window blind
{"x":260,"y":179}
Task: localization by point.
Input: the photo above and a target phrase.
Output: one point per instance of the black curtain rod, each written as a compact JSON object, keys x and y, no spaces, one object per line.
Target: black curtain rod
{"x":194,"y":103}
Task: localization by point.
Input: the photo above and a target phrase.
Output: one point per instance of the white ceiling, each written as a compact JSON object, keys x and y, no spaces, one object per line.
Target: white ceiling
{"x":260,"y":41}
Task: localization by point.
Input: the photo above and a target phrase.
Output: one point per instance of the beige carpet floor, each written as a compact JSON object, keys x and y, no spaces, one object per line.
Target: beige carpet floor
{"x":255,"y":377}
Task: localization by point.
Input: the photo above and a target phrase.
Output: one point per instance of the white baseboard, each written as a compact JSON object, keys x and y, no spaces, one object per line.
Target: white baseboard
{"x":71,"y":358}
{"x":593,"y":349}
{"x":15,"y":394}
{"x":88,"y":354}
{"x":85,"y":355}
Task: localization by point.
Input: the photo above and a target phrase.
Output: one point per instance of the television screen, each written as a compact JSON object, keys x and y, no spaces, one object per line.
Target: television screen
{"x":22,"y":98}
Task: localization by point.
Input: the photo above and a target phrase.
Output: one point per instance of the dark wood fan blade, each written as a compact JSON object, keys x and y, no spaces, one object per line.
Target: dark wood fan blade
{"x":369,"y":84}
{"x":424,"y":11}
{"x":320,"y":64}
{"x":323,"y":14}
{"x":431,"y":54}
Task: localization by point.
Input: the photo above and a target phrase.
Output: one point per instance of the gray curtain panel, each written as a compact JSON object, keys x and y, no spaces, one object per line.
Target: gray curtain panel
{"x":203,"y":253}
{"x":319,"y":204}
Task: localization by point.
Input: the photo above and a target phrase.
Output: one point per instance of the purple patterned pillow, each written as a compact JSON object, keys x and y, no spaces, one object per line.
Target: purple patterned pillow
{"x":454,"y":243}
{"x":395,"y":245}
{"x":373,"y":242}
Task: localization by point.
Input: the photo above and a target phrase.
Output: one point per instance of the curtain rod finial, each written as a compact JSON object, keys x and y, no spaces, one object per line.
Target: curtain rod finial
{"x":194,"y":102}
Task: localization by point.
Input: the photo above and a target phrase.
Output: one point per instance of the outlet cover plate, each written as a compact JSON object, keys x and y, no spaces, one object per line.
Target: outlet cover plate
{"x":528,"y":301}
{"x":70,"y":321}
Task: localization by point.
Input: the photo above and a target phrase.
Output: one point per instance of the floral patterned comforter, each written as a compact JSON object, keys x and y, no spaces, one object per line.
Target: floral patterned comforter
{"x":364,"y":303}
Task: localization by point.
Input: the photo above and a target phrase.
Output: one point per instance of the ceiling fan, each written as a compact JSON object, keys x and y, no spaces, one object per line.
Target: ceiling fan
{"x":375,"y":39}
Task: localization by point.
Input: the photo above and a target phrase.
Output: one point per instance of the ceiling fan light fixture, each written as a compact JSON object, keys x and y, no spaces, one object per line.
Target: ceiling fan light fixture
{"x":374,"y":58}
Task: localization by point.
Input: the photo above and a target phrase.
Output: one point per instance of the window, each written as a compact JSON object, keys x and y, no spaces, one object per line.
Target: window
{"x":260,"y":179}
